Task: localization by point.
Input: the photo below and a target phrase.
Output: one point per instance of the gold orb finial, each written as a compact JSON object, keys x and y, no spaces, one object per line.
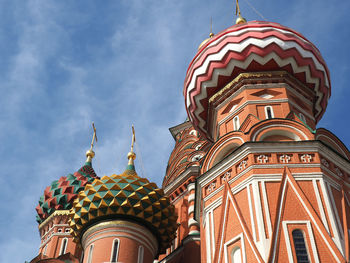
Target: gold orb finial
{"x":240,"y":20}
{"x":90,"y":153}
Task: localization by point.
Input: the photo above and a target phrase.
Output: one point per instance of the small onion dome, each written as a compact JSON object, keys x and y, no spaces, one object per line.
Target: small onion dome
{"x":252,"y":47}
{"x":61,"y":193}
{"x":129,"y":197}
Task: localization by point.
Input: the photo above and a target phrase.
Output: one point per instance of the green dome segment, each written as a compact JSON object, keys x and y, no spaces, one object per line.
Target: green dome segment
{"x":125,"y":196}
{"x":61,"y":193}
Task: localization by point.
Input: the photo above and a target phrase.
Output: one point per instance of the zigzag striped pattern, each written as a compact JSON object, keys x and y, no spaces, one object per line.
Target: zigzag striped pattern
{"x":253,"y":47}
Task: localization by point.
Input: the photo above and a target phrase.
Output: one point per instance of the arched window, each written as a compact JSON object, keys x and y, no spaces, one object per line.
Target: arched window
{"x":140,"y":255}
{"x":269,"y":112}
{"x":236,"y":256}
{"x":90,"y":253}
{"x":63,"y":246}
{"x":236,"y":123}
{"x":115,"y":250}
{"x":299,"y":246}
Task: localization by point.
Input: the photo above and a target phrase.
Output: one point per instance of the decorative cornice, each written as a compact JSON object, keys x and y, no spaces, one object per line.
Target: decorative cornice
{"x":56,"y":213}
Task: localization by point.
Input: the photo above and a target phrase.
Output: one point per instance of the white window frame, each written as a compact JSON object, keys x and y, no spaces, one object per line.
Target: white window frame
{"x":91,"y":250}
{"x":236,"y":123}
{"x":113,"y":247}
{"x":140,"y":254}
{"x":45,"y":250}
{"x":271,"y":111}
{"x":233,"y":251}
{"x":64,"y":245}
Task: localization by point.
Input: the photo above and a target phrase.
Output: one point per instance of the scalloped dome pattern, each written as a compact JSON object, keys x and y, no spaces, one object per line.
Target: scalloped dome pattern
{"x":125,"y":196}
{"x":252,"y":47}
{"x":61,"y":193}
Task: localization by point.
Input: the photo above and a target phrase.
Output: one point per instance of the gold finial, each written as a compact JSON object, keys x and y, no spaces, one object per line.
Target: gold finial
{"x":211,"y":34}
{"x":211,"y":28}
{"x":90,"y":153}
{"x":240,"y":19}
{"x":131,"y":154}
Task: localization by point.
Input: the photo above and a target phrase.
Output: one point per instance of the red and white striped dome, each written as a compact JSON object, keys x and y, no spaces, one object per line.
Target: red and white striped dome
{"x":253,"y":47}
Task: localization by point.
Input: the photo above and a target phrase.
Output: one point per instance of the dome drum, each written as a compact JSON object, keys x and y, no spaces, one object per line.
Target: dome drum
{"x":253,"y":47}
{"x":126,"y":197}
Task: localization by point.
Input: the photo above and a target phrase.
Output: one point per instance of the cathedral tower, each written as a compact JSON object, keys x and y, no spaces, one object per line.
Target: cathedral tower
{"x":252,"y":177}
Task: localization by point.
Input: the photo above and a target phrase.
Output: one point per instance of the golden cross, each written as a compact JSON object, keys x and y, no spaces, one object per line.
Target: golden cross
{"x":237,"y":8}
{"x":133,"y":139}
{"x":94,"y":137}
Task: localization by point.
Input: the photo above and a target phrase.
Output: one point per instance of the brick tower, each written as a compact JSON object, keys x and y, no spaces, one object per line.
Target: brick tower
{"x":252,"y":178}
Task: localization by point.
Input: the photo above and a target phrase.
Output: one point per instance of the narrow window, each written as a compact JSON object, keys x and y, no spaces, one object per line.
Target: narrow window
{"x":140,"y":255}
{"x":45,"y":249}
{"x":269,"y":112}
{"x":90,"y":254}
{"x":302,"y":117}
{"x":236,"y":123}
{"x":299,"y":246}
{"x":115,"y":250}
{"x":236,"y":256}
{"x":63,"y":246}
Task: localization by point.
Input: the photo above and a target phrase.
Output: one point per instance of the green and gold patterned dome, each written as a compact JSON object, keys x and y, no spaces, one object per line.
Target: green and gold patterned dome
{"x":125,"y":196}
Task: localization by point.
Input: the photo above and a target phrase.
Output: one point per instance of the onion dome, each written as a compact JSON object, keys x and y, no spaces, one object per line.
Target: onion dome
{"x":61,"y":193}
{"x":125,"y":196}
{"x":253,"y":47}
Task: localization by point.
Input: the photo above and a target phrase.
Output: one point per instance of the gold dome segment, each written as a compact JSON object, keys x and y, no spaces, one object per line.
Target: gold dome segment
{"x":128,"y":197}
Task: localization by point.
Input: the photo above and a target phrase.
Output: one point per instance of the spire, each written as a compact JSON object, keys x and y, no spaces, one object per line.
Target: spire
{"x":240,"y":19}
{"x":90,"y":153}
{"x":211,"y":34}
{"x":131,"y":154}
{"x":211,"y":28}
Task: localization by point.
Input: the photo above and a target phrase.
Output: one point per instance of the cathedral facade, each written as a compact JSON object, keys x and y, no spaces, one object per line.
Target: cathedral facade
{"x":250,"y":179}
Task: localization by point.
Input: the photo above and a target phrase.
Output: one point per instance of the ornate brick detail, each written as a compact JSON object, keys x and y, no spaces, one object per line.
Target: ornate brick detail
{"x":242,"y":165}
{"x":262,"y":158}
{"x":325,"y":162}
{"x":211,"y":187}
{"x":306,"y":158}
{"x":226,"y":177}
{"x":285,"y":158}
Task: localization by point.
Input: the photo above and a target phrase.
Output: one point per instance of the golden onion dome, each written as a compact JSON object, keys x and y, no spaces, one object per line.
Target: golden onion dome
{"x":128,"y":197}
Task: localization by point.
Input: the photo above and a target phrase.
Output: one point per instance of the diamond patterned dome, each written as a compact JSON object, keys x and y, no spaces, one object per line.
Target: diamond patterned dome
{"x":125,"y":196}
{"x":61,"y":193}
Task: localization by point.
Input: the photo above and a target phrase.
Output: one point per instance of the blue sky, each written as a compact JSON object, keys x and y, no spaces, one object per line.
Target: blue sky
{"x":66,"y":63}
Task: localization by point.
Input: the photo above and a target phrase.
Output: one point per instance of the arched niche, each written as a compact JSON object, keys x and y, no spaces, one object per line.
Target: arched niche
{"x":279,"y":135}
{"x":226,"y":150}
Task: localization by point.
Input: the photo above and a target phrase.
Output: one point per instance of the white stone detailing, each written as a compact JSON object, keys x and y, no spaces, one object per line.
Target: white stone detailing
{"x":191,"y":186}
{"x":306,"y":158}
{"x":191,"y":197}
{"x":211,"y":187}
{"x":285,"y":158}
{"x":243,"y":165}
{"x":263,"y":158}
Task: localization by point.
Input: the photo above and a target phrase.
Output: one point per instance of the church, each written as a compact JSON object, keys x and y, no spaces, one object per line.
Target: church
{"x":250,"y":178}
